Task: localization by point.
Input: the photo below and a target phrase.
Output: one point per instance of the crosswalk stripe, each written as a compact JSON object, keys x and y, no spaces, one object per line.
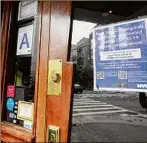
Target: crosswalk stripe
{"x":100,"y":105}
{"x":100,"y":112}
{"x":87,"y":106}
{"x":96,"y":109}
{"x":87,"y":95}
{"x":89,"y":103}
{"x":83,"y":100}
{"x":91,"y":107}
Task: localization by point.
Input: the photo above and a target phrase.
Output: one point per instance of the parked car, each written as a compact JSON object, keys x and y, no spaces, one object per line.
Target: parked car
{"x":143,"y":99}
{"x":78,"y":88}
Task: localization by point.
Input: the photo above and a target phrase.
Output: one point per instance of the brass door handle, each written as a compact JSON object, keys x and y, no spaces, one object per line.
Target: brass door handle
{"x":56,"y":77}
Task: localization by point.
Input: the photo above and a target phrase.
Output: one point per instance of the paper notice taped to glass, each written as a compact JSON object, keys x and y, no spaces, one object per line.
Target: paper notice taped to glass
{"x":25,"y":110}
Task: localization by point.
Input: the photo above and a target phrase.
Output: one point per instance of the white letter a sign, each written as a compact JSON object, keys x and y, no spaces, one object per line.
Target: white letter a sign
{"x":25,"y":40}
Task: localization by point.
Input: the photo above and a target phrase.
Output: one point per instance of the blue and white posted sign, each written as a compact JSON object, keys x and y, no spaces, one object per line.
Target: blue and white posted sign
{"x":120,"y":56}
{"x":25,"y":40}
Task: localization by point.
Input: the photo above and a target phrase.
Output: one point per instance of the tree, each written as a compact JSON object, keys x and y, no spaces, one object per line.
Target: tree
{"x":84,"y":76}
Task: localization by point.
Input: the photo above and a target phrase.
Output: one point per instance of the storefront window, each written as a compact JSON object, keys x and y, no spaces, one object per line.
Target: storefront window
{"x":101,"y":112}
{"x":20,"y":91}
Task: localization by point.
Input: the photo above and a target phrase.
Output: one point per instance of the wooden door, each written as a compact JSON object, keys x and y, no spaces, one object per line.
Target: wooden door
{"x":52,"y":110}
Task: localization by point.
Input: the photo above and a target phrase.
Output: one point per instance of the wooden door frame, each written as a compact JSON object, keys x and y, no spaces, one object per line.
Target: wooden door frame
{"x":4,"y":45}
{"x":7,"y":39}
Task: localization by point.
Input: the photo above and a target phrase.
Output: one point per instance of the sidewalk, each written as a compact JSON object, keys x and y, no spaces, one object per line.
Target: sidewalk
{"x":108,"y":132}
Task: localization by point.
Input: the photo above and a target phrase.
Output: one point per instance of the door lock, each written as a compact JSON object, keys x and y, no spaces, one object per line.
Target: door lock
{"x":53,"y":134}
{"x":56,"y":77}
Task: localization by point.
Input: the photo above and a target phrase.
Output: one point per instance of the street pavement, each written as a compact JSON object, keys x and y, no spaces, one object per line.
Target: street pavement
{"x":108,"y":117}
